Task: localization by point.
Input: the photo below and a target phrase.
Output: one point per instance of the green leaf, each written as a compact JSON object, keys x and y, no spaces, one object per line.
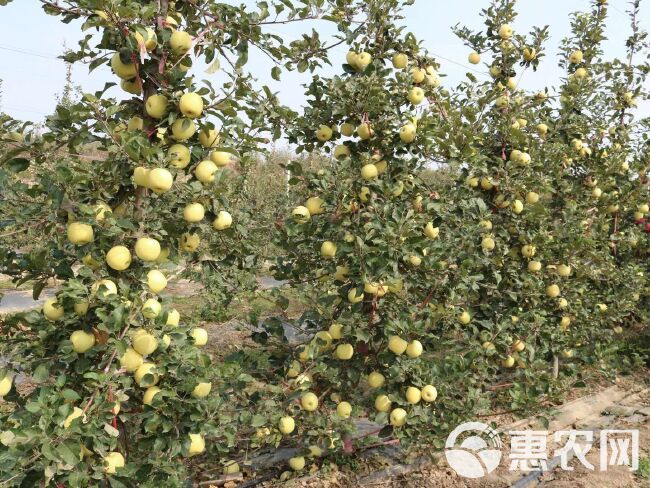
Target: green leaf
{"x":213,"y":68}
{"x":17,"y":165}
{"x":41,"y":373}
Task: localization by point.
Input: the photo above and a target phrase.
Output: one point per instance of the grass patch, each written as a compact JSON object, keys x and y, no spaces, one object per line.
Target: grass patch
{"x":644,"y":468}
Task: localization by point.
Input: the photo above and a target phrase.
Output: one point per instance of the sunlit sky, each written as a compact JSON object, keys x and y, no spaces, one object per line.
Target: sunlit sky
{"x":32,"y":76}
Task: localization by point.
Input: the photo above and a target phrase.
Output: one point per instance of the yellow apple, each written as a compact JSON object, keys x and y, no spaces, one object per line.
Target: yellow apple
{"x":287,"y":425}
{"x":528,"y":251}
{"x":564,"y":270}
{"x":552,"y":291}
{"x":324,"y":133}
{"x":112,"y":462}
{"x":156,"y":106}
{"x":382,"y":403}
{"x":200,"y":336}
{"x":5,"y":384}
{"x":576,"y":57}
{"x":159,"y":180}
{"x":149,"y":394}
{"x":487,"y":243}
{"x":580,"y":73}
{"x":201,"y":390}
{"x":231,"y":468}
{"x":223,"y":220}
{"x":221,"y":158}
{"x":79,"y":233}
{"x":131,"y":86}
{"x":81,"y":308}
{"x":191,"y":105}
{"x":397,"y":345}
{"x":418,"y":75}
{"x":205,"y":171}
{"x":344,"y":351}
{"x":565,"y":321}
{"x":562,"y":303}
{"x":486,"y":224}
{"x":413,"y":395}
{"x":529,"y":53}
{"x":376,"y":380}
{"x":118,"y":258}
{"x":398,"y":416}
{"x":315,"y":205}
{"x":197,"y":444}
{"x":567,"y":353}
{"x":190,"y":242}
{"x":144,"y":343}
{"x":173,"y":317}
{"x":82,"y":341}
{"x":336,"y":331}
{"x":151,"y":40}
{"x":126,"y":71}
{"x":143,"y":370}
{"x":542,"y":129}
{"x":414,"y":349}
{"x":156,"y":281}
{"x":362,"y":60}
{"x":416,"y":95}
{"x":344,"y":410}
{"x":179,"y":156}
{"x":534,"y":266}
{"x":180,"y":42}
{"x":183,"y":129}
{"x":209,"y":138}
{"x":353,"y":297}
{"x":381,"y":166}
{"x":407,"y":133}
{"x":141,"y":176}
{"x":297,"y":463}
{"x":151,"y":308}
{"x":517,"y":206}
{"x":369,"y":172}
{"x":474,"y":58}
{"x":52,"y":309}
{"x":309,"y":402}
{"x":347,"y":129}
{"x":429,"y":393}
{"x":532,"y":197}
{"x":193,"y":212}
{"x":505,"y":31}
{"x":486,"y":183}
{"x":103,"y":288}
{"x":131,"y":360}
{"x":301,"y":214}
{"x":400,"y":60}
{"x":602,"y":308}
{"x":341,"y":151}
{"x":364,"y":131}
{"x":147,"y":249}
{"x":508,"y":362}
{"x":76,"y":413}
{"x":101,"y":210}
{"x":430,"y":231}
{"x":464,"y":318}
{"x":519,"y":345}
{"x":328,"y":249}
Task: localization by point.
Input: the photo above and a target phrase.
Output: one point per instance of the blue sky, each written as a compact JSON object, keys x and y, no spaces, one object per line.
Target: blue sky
{"x":31,"y":40}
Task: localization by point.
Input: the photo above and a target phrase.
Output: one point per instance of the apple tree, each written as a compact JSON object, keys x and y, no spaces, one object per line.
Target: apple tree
{"x":107,"y":383}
